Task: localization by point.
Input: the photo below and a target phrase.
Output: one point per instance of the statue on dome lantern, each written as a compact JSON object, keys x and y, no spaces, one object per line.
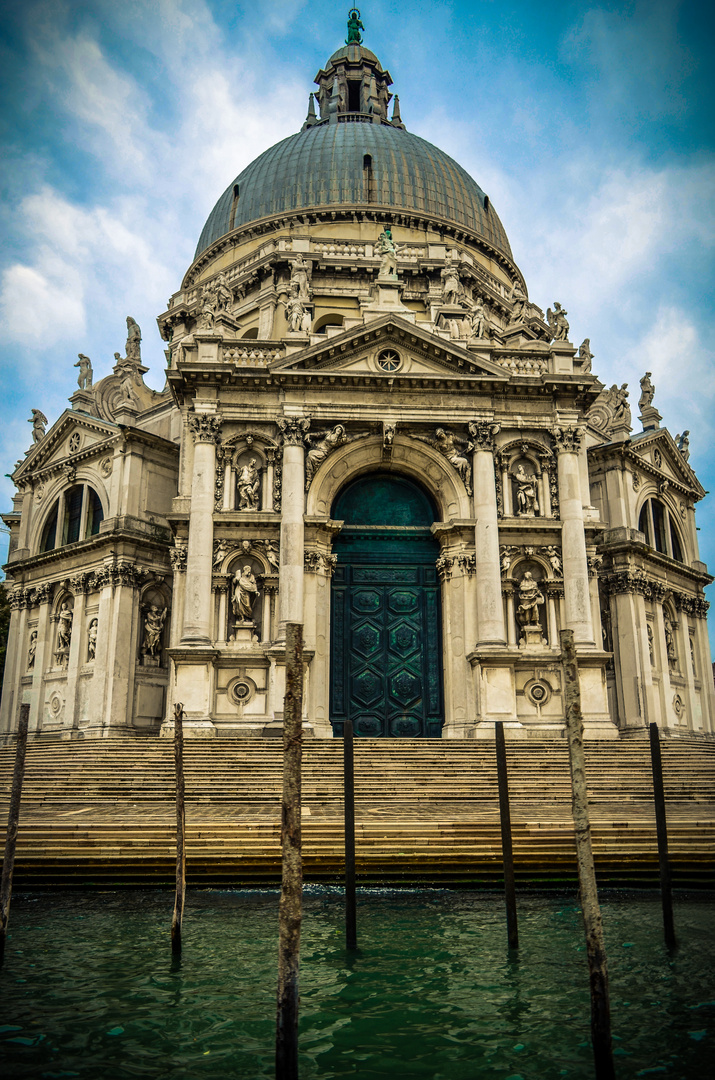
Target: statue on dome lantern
{"x":354,"y":28}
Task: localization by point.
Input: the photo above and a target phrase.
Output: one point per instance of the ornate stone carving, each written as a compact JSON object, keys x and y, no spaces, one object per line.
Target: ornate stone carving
{"x":558,"y":323}
{"x":553,"y":554}
{"x":444,"y":566}
{"x":683,"y":443}
{"x":328,"y":442}
{"x":31,"y":650}
{"x":388,"y":250}
{"x":696,"y":606}
{"x":318,"y":562}
{"x":468,"y":563}
{"x":223,"y":548}
{"x":154,"y":619}
{"x":219,"y":477}
{"x":82,"y":583}
{"x":105,"y":467}
{"x":447,"y":443}
{"x":679,"y":707}
{"x":293,"y":430}
{"x":482,"y":433}
{"x":39,"y":424}
{"x":84,"y":379}
{"x":651,"y":648}
{"x":205,"y":427}
{"x":636,"y":481}
{"x":177,"y":556}
{"x":92,"y":640}
{"x":17,"y":598}
{"x":248,"y":486}
{"x":42,"y":594}
{"x":610,"y":410}
{"x":245,"y":594}
{"x":585,"y":356}
{"x":595,"y":564}
{"x":388,"y":435}
{"x":567,"y":440}
{"x":517,"y":297}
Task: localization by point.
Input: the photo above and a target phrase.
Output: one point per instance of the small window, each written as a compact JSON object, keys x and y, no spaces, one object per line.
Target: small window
{"x":234,"y":207}
{"x":368,"y":180}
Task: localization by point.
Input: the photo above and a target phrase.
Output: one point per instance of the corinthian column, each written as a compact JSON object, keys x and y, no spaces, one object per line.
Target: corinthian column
{"x":577,"y":600}
{"x":290,"y":588}
{"x":206,"y":428}
{"x":490,"y":610}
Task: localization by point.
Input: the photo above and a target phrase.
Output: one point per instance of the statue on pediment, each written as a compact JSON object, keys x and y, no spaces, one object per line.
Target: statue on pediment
{"x":585,"y":356}
{"x":647,"y":391}
{"x":683,"y":443}
{"x":558,"y":322}
{"x":39,"y":425}
{"x":84,"y":379}
{"x":134,"y":341}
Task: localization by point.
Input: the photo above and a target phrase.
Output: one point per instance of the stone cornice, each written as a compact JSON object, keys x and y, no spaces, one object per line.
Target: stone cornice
{"x":86,"y":548}
{"x":626,"y":452}
{"x":635,"y":580}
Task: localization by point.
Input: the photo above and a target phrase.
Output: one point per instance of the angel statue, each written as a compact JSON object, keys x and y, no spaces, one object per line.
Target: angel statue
{"x":557,"y":321}
{"x":447,"y":444}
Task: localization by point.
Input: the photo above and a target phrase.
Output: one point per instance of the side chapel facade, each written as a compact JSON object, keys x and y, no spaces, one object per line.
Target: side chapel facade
{"x":367,"y":427}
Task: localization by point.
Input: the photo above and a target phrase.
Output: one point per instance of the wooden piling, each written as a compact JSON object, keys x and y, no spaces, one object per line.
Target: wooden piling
{"x":349,"y":796}
{"x":506,"y":847}
{"x":178,"y":915}
{"x":662,"y":833}
{"x":290,"y":911}
{"x":13,"y":819}
{"x":593,"y":924}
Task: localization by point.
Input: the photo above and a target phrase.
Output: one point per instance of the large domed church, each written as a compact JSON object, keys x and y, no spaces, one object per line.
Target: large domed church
{"x":368,"y":427}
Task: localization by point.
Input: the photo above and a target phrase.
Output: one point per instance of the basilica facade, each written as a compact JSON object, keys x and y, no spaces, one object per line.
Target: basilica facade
{"x":367,"y":427}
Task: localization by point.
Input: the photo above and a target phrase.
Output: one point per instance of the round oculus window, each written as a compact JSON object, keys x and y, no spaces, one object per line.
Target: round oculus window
{"x":389,"y":360}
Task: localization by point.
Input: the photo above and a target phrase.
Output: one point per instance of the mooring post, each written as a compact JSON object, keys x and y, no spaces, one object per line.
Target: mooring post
{"x":349,"y":792}
{"x":662,"y":832}
{"x":290,"y":911}
{"x":13,"y":819}
{"x":178,"y":916}
{"x":593,"y":924}
{"x":506,"y":848}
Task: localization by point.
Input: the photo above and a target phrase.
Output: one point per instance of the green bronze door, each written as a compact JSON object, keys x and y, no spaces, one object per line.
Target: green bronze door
{"x":386,"y":657}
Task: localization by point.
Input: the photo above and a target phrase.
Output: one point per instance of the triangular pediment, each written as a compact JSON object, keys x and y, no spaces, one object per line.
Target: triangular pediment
{"x":659,"y":451}
{"x":73,"y":437}
{"x":418,"y":354}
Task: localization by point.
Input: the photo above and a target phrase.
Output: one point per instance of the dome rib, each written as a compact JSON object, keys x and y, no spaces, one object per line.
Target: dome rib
{"x":322,"y":166}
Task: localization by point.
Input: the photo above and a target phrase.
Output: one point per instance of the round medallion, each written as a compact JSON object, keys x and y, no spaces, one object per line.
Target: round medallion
{"x":538,"y":692}
{"x":389,"y":360}
{"x":75,"y":442}
{"x":241,"y":690}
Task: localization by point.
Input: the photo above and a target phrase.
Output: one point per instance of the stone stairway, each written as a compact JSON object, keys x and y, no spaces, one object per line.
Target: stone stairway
{"x":102,"y":812}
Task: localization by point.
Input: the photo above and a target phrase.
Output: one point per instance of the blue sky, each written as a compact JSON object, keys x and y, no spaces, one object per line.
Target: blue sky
{"x":590,"y":126}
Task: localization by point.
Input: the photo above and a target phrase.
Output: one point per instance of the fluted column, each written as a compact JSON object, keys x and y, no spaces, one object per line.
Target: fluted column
{"x":205,"y":428}
{"x":292,"y":547}
{"x":490,"y":609}
{"x":577,"y":599}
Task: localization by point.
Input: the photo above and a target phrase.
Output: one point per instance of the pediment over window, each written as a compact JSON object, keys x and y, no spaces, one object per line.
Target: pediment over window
{"x":73,"y":439}
{"x":659,"y":454}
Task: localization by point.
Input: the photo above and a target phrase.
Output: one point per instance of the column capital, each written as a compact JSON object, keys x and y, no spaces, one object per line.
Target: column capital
{"x":293,"y":430}
{"x":567,"y":440}
{"x":482,"y":433}
{"x":205,"y":427}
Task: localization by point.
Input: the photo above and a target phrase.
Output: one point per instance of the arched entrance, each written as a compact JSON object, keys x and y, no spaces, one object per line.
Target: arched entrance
{"x":386,"y":654}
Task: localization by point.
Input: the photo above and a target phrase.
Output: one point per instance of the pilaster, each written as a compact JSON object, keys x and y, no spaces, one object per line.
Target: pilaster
{"x":490,"y":611}
{"x":577,"y":600}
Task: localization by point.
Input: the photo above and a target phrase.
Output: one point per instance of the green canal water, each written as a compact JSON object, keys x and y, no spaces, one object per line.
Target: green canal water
{"x":89,"y":990}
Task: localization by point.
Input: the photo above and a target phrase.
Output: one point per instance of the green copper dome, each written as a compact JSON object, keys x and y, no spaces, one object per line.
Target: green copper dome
{"x":324,"y":166}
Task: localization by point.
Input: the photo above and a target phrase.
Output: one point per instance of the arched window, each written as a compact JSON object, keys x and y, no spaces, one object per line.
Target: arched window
{"x":321,"y":324}
{"x":660,"y":531}
{"x":76,"y":515}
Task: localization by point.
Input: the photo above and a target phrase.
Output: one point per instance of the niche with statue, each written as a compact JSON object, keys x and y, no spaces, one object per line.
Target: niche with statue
{"x":153,"y":623}
{"x":245,"y":601}
{"x":530,"y":606}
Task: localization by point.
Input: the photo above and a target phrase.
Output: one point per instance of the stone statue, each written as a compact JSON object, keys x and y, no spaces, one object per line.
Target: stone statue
{"x":84,"y":379}
{"x":527,"y":499}
{"x":506,"y":559}
{"x":299,"y":279}
{"x":248,"y":486}
{"x":530,"y":600}
{"x":223,"y":297}
{"x":621,"y":408}
{"x":207,"y":315}
{"x":306,"y":322}
{"x":129,"y":379}
{"x":32,"y":650}
{"x":684,"y":444}
{"x":39,"y":423}
{"x":134,"y":340}
{"x":585,"y":355}
{"x":272,"y":554}
{"x":354,"y":28}
{"x":554,"y":558}
{"x":221,"y":550}
{"x":647,"y":391}
{"x":64,"y":628}
{"x":478,"y":319}
{"x":451,"y":283}
{"x":294,"y":313}
{"x":153,"y":625}
{"x":518,"y":300}
{"x":92,"y":639}
{"x":387,"y":250}
{"x":651,"y":652}
{"x":245,"y":594}
{"x":328,"y":442}
{"x":558,"y":323}
{"x":670,"y":642}
{"x":447,"y":445}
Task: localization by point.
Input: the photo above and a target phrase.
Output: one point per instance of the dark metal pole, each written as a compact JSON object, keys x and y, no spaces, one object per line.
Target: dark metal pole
{"x":290,"y":912}
{"x":593,"y":924}
{"x":349,"y":785}
{"x":180,"y":830}
{"x":13,"y":819}
{"x":507,"y":853}
{"x":662,"y":831}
